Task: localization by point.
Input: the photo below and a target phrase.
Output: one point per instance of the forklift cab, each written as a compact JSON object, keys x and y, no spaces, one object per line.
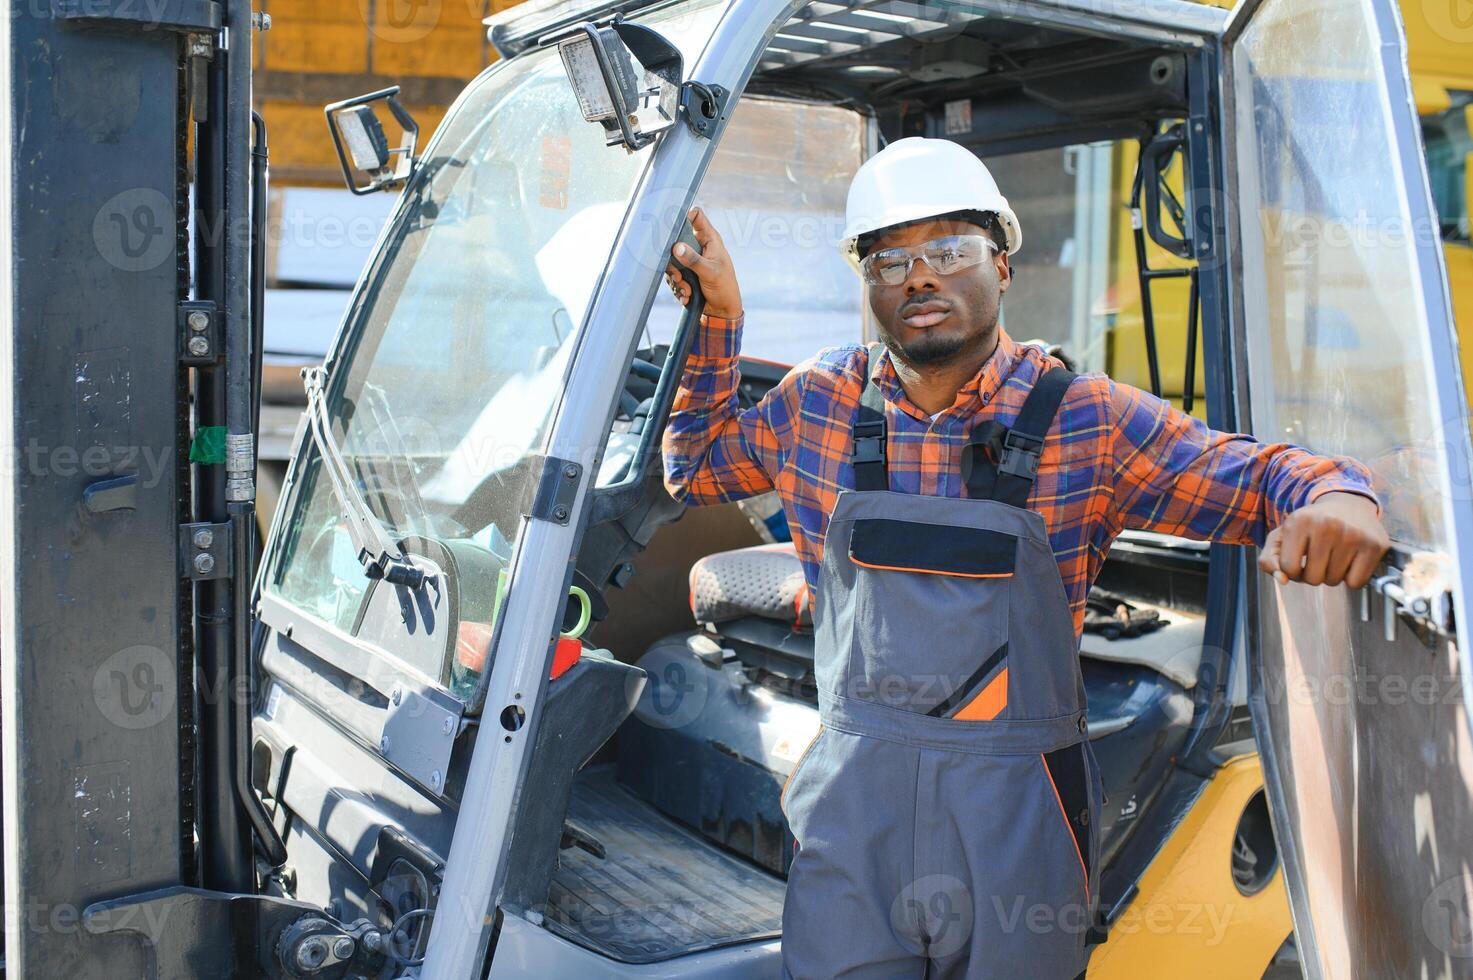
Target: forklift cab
{"x":528,"y":717}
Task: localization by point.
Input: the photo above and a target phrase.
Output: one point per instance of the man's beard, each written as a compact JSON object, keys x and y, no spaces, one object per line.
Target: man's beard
{"x":929,"y":349}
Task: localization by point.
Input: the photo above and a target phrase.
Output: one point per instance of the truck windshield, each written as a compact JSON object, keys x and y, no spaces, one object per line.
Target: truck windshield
{"x":458,"y":341}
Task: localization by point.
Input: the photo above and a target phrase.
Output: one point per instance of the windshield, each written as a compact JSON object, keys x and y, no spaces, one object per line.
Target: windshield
{"x":458,"y":345}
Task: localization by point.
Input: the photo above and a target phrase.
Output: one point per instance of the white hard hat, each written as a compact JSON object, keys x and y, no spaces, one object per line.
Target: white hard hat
{"x":918,"y":178}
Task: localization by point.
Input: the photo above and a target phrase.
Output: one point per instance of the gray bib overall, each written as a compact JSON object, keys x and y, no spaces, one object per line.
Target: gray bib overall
{"x":946,"y":814}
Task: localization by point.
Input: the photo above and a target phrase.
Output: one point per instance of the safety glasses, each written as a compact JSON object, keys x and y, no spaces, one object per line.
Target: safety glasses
{"x":891,"y":266}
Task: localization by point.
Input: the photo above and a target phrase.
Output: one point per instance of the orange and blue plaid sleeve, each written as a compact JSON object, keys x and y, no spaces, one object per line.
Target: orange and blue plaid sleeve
{"x":714,"y":451}
{"x":1175,"y":475}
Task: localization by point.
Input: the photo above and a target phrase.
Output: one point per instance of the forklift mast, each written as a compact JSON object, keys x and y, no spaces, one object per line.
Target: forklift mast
{"x":133,"y":197}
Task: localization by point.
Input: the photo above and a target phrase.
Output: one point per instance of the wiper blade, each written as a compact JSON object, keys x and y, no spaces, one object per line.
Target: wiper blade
{"x":377,"y":552}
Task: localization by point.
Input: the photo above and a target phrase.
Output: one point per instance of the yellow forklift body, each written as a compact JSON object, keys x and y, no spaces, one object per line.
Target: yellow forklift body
{"x":1189,"y":918}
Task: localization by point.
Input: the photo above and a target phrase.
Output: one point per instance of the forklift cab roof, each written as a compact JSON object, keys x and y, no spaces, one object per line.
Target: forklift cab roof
{"x":1042,"y":74}
{"x":1340,"y":342}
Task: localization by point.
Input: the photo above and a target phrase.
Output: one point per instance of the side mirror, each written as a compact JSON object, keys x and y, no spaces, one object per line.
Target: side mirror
{"x":358,"y":136}
{"x":626,"y":76}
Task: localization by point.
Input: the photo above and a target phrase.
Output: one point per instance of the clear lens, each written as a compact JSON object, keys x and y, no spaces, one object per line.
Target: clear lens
{"x":945,"y":256}
{"x":581,"y":62}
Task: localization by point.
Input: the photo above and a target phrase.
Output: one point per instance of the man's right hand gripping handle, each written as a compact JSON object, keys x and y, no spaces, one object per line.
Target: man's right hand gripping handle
{"x":712,"y":266}
{"x":713,"y":452}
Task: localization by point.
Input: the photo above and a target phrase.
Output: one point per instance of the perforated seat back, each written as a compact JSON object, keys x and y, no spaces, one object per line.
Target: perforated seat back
{"x":765,"y":580}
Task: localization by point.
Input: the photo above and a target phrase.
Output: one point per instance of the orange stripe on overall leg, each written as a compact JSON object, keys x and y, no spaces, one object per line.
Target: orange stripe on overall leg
{"x":989,"y":702}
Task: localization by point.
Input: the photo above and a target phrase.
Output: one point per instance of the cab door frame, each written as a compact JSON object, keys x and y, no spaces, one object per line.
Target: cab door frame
{"x":541,"y":568}
{"x":1353,"y":881}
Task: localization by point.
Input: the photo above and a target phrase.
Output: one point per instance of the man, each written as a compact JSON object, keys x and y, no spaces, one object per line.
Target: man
{"x":952,"y":495}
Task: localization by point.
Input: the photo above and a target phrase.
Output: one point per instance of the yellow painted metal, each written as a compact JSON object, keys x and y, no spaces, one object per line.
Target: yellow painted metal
{"x":319,"y":51}
{"x":1189,"y":919}
{"x":1460,"y":276}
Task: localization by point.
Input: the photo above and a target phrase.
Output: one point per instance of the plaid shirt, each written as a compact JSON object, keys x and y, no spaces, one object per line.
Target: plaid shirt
{"x":1116,"y":457}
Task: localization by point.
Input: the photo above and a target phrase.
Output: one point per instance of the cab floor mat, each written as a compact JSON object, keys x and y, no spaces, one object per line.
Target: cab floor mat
{"x":660,"y":890}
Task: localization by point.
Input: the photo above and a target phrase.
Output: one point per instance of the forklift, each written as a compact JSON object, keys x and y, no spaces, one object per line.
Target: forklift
{"x":489,"y":702}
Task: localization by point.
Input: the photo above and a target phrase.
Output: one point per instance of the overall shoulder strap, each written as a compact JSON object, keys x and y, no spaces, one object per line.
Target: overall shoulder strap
{"x":868,"y":450}
{"x":1000,"y":463}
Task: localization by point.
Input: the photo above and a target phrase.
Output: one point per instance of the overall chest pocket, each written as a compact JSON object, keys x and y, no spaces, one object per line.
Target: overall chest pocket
{"x":931,"y":604}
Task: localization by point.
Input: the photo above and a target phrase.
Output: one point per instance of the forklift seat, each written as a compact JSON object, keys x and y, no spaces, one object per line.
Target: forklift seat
{"x":757,"y":600}
{"x":765,"y":580}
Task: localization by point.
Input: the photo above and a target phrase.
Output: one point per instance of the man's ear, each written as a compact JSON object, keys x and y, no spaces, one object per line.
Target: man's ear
{"x":1004,"y":271}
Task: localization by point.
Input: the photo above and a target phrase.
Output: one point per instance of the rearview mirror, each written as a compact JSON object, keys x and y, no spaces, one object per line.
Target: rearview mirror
{"x":358,"y":136}
{"x":627,"y":77}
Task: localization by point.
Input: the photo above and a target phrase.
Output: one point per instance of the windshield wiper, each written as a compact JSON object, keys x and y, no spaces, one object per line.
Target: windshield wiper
{"x":377,"y":553}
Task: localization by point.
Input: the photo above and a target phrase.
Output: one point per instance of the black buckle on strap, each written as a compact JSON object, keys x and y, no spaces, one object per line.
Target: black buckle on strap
{"x":869,"y":443}
{"x":868,"y":449}
{"x":1020,"y":455}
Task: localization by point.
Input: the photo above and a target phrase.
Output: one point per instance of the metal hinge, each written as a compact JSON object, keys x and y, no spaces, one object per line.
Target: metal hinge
{"x":204,"y":551}
{"x":703,"y":106}
{"x":557,"y":487}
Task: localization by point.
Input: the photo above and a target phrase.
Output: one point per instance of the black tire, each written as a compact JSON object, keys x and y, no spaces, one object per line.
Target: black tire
{"x":1285,"y":964}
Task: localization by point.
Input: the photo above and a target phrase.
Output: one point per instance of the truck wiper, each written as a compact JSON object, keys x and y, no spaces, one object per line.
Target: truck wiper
{"x":377,"y":553}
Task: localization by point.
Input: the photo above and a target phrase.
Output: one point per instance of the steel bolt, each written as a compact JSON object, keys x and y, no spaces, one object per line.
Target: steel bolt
{"x":204,"y":563}
{"x":383,"y":745}
{"x":374,"y":940}
{"x":198,"y":346}
{"x":199,"y":321}
{"x":435,"y":779}
{"x":343,"y":948}
{"x":203,"y":538}
{"x":571,"y":471}
{"x":397,"y":696}
{"x":311,"y":953}
{"x":447,"y":726}
{"x":560,"y":513}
